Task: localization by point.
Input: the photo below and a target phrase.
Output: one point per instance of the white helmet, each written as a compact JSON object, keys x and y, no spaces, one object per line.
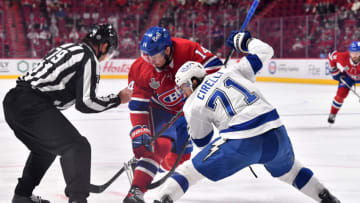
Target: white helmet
{"x":188,"y":71}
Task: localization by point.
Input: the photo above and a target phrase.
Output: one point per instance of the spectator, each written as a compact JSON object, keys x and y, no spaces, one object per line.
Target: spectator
{"x":324,"y":53}
{"x":298,"y":45}
{"x":74,"y":35}
{"x":355,"y":7}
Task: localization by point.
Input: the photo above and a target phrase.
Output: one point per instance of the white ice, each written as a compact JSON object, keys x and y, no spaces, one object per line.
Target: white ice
{"x":333,"y":153}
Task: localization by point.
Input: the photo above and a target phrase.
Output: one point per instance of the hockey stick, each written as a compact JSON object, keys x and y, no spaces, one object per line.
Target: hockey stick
{"x":163,"y":179}
{"x":243,"y":26}
{"x":351,"y":89}
{"x":101,"y":188}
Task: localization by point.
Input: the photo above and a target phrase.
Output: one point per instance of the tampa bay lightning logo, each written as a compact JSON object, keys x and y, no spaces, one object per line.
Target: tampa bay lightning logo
{"x":170,"y":98}
{"x":185,"y":68}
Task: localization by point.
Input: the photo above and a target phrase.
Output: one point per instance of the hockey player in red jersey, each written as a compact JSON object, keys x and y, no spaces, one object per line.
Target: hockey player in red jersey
{"x":154,"y":102}
{"x":344,"y":67}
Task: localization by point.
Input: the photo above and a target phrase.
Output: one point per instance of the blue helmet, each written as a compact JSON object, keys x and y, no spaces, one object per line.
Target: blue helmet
{"x":354,"y":46}
{"x":155,"y":40}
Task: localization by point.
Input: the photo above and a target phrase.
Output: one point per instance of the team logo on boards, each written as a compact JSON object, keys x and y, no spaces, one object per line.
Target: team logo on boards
{"x":272,"y":67}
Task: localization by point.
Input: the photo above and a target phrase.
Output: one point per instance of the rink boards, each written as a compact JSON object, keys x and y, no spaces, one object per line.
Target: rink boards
{"x":311,"y":71}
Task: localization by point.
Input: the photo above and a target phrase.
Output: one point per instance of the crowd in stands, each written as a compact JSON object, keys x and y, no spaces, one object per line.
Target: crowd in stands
{"x":324,"y":25}
{"x":53,"y":22}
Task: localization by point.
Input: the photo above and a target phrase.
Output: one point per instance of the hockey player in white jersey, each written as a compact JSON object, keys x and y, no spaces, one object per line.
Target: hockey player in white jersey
{"x":250,"y":129}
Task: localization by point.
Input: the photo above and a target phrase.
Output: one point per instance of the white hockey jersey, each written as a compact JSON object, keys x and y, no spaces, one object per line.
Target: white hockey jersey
{"x":230,"y":101}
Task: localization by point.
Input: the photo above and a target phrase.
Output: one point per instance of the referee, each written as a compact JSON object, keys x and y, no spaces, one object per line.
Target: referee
{"x":67,"y":75}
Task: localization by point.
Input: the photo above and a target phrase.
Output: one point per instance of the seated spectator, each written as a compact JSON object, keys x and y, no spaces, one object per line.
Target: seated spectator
{"x":324,"y":53}
{"x":74,"y":35}
{"x":179,"y":32}
{"x":298,"y":45}
{"x":356,"y":6}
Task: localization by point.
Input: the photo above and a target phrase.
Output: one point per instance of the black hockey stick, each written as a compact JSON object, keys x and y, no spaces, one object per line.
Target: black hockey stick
{"x":101,"y":188}
{"x":243,"y":26}
{"x":348,"y":86}
{"x":163,"y":179}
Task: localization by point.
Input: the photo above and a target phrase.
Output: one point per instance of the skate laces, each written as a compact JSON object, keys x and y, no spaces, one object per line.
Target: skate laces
{"x":36,"y":199}
{"x":136,"y":192}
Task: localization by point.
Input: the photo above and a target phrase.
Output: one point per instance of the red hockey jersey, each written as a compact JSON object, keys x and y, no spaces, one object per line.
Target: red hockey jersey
{"x":157,"y":87}
{"x":340,"y":61}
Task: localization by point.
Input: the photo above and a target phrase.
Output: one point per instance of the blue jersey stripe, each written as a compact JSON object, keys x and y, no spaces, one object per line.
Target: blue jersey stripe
{"x":203,"y":141}
{"x":255,"y":62}
{"x":256,"y":122}
{"x":138,"y":105}
{"x":214,"y":62}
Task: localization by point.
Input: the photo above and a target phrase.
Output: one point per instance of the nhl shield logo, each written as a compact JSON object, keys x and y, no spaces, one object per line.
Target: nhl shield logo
{"x":154,"y":84}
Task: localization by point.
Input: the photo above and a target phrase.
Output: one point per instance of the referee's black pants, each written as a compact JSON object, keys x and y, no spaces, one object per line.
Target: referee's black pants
{"x":47,"y":133}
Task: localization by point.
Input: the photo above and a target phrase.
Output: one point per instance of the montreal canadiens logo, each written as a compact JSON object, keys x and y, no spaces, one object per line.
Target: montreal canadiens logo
{"x":272,"y":67}
{"x":170,"y":98}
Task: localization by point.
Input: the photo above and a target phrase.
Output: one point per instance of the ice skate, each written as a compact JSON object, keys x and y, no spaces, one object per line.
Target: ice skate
{"x":130,"y":168}
{"x":331,"y":118}
{"x":134,"y":196}
{"x":31,"y":199}
{"x":77,"y":201}
{"x":326,"y":197}
{"x":164,"y":199}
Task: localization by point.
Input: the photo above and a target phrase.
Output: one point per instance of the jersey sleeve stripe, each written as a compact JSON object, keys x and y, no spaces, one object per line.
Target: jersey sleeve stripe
{"x":140,"y":99}
{"x":203,"y":141}
{"x":255,"y":62}
{"x":213,"y":61}
{"x":138,"y":105}
{"x":254,"y":123}
{"x":139,"y":112}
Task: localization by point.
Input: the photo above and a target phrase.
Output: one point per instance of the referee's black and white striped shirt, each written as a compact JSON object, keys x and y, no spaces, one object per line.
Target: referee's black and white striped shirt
{"x":69,"y":74}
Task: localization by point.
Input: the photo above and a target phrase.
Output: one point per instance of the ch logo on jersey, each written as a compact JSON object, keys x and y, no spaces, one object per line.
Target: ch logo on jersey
{"x":154,"y":84}
{"x":170,"y":98}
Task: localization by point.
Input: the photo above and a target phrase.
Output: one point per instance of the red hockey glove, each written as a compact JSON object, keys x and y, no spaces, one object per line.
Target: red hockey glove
{"x":141,"y":141}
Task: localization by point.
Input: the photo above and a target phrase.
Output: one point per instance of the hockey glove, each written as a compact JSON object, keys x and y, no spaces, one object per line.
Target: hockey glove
{"x":346,"y":80}
{"x":239,"y":41}
{"x":141,"y":141}
{"x":337,"y":75}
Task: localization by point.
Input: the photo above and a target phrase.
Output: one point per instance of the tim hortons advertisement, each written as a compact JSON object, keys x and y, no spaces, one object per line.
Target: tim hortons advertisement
{"x":116,"y":67}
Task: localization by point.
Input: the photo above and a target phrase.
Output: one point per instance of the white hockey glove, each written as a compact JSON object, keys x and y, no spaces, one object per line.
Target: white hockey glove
{"x":239,"y":41}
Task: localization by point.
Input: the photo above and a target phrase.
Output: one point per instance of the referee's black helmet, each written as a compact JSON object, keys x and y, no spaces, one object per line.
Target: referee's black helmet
{"x":101,"y":33}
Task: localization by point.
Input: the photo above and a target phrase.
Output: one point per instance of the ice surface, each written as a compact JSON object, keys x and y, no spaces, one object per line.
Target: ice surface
{"x":331,"y":152}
